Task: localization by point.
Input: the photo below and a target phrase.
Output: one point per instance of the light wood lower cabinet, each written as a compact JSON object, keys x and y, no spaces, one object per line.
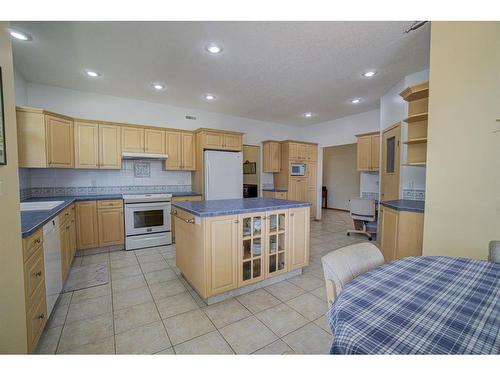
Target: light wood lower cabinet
{"x":218,"y":254}
{"x":99,"y":223}
{"x":222,"y":238}
{"x":34,"y":288}
{"x":87,"y":231}
{"x":401,"y":234}
{"x":180,"y":199}
{"x":297,"y":189}
{"x":111,"y":231}
{"x":299,"y":237}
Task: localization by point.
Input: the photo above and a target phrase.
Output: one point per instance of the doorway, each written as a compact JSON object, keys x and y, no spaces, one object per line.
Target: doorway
{"x":389,"y":184}
{"x":340,"y":175}
{"x":251,"y":171}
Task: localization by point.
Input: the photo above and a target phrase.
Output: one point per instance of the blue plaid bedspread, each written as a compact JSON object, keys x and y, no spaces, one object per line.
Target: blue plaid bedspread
{"x":420,"y":305}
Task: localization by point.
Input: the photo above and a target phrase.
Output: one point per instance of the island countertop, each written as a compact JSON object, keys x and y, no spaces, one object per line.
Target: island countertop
{"x":237,"y":206}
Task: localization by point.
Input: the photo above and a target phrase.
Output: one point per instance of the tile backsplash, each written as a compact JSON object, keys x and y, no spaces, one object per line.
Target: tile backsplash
{"x":60,"y":182}
{"x":414,"y":194}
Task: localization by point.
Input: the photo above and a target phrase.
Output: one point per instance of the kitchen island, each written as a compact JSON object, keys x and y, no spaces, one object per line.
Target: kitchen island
{"x":229,"y":247}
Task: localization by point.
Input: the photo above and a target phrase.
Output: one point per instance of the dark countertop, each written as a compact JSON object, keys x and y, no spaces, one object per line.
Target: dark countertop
{"x":237,"y":206}
{"x":31,"y":221}
{"x":275,"y":190}
{"x":405,"y":205}
{"x":186,"y":194}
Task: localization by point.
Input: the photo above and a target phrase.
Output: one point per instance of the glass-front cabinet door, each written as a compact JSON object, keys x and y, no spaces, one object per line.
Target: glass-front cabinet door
{"x":252,"y":247}
{"x":277,"y":246}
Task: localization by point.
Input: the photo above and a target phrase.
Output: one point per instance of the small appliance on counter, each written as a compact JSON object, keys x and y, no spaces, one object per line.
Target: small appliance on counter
{"x":147,"y":220}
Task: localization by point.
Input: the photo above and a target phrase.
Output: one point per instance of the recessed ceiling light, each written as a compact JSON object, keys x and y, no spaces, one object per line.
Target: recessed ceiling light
{"x":209,"y":97}
{"x":355,"y":101}
{"x":308,"y":114}
{"x":158,"y":86}
{"x":19,"y":35}
{"x":369,"y":73}
{"x":92,"y":73}
{"x":214,"y":49}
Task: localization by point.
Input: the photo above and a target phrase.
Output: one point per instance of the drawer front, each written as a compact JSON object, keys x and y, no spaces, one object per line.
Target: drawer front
{"x":67,"y":214}
{"x":184,"y":215}
{"x":115,"y":203}
{"x":34,"y":274}
{"x":31,"y":244}
{"x":281,"y":195}
{"x":36,"y":318}
{"x":187,"y":199}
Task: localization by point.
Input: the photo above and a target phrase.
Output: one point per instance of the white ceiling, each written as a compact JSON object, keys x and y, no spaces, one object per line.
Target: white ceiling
{"x":269,"y":71}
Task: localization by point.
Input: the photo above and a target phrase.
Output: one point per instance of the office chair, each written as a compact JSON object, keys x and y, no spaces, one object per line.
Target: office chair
{"x":362,"y":211}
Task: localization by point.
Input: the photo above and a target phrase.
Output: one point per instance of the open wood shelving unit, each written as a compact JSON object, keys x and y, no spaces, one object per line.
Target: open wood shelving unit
{"x":417,"y":97}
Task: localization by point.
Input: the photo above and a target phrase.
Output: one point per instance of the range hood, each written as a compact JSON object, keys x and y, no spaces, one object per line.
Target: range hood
{"x":143,"y":155}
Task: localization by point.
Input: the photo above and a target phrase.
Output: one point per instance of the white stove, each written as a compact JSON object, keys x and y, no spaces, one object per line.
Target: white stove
{"x":147,"y":220}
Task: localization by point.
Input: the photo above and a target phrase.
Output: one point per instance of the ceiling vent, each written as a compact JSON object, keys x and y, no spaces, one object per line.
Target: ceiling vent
{"x":188,"y":117}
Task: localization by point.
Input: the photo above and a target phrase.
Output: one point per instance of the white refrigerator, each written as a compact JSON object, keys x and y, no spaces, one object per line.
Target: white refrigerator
{"x":223,"y":175}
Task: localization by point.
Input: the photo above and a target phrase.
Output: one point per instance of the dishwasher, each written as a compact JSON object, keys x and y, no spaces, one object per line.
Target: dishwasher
{"x":52,"y":262}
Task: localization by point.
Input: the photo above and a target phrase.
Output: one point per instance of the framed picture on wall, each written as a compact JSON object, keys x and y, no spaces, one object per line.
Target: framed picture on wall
{"x":249,"y":167}
{"x":3,"y":152}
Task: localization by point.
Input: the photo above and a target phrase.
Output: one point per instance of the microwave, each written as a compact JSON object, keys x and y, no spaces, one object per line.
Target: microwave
{"x":297,"y":169}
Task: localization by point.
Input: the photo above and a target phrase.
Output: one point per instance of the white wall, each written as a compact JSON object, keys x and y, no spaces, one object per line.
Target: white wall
{"x":20,"y":88}
{"x":394,"y":109}
{"x":105,"y":107}
{"x":341,"y":131}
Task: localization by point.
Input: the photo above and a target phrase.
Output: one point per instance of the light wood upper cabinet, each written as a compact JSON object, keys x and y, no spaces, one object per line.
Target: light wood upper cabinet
{"x":213,"y":139}
{"x":299,"y":237}
{"x":86,"y":145}
{"x":272,"y":157}
{"x":180,"y":147}
{"x":87,"y":232}
{"x":293,"y":151}
{"x":364,"y":153}
{"x":31,"y":145}
{"x":174,"y":150}
{"x":154,"y":141}
{"x":368,"y":151}
{"x":188,"y":152}
{"x":110,"y":146}
{"x":44,"y":139}
{"x":233,"y":142}
{"x":375,"y":152}
{"x":59,"y":142}
{"x":312,"y":153}
{"x":132,"y":139}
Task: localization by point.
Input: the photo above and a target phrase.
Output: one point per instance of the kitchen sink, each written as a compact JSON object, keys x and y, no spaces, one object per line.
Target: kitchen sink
{"x":40,"y":206}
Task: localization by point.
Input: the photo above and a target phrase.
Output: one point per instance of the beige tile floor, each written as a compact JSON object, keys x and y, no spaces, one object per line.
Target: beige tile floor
{"x":148,"y":308}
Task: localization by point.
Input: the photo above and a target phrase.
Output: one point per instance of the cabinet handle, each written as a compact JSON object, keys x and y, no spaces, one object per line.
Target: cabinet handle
{"x":38,"y":274}
{"x":236,"y":221}
{"x":37,"y":240}
{"x":292,"y":214}
{"x":174,"y":212}
{"x":67,"y":227}
{"x":41,"y":316}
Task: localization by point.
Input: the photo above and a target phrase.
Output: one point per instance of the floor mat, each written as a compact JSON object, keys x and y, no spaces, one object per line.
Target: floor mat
{"x":83,"y":277}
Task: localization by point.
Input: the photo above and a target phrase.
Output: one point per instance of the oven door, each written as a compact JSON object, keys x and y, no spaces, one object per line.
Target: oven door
{"x":143,"y":218}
